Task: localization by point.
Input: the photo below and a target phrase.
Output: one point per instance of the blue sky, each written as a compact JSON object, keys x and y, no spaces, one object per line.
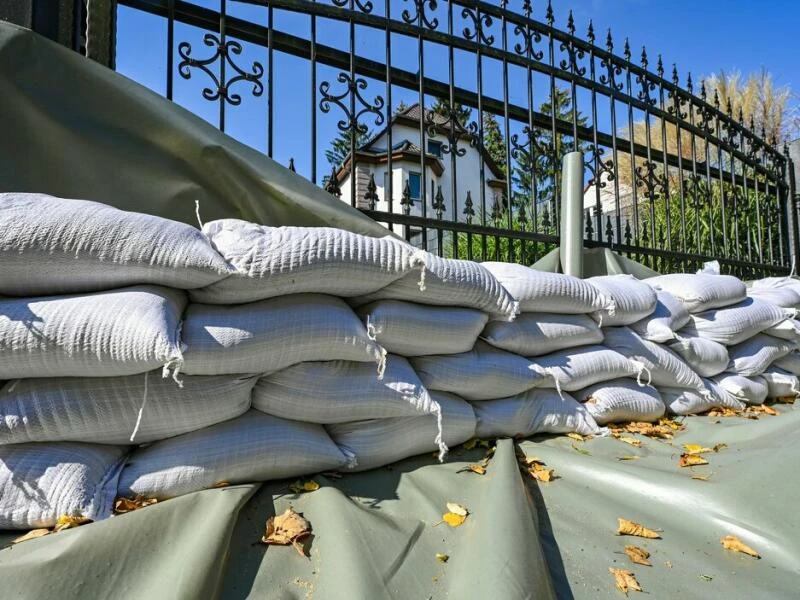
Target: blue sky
{"x":701,"y":36}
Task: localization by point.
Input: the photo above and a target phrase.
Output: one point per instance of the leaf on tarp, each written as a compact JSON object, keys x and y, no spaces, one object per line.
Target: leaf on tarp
{"x":768,"y":410}
{"x":723,"y":411}
{"x":538,"y":470}
{"x":626,"y":527}
{"x":706,"y":577}
{"x":625,"y":580}
{"x":581,"y":450}
{"x":479,"y":469}
{"x":300,"y":487}
{"x":442,"y":557}
{"x":697,"y":449}
{"x":638,"y":555}
{"x":576,"y":436}
{"x":691,"y":460}
{"x":718,"y":447}
{"x":731,"y":542}
{"x":69,"y":522}
{"x":126,"y":505}
{"x":220,"y":484}
{"x":629,"y":457}
{"x":288,"y":528}
{"x":630,"y":440}
{"x":785,"y":399}
{"x":457,"y":509}
{"x":652,"y":430}
{"x":31,"y":535}
{"x":702,"y":477}
{"x":455,"y":515}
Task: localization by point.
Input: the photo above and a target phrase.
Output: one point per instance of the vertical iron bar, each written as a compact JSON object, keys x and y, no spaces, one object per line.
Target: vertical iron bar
{"x":598,"y":208}
{"x":679,"y":145}
{"x":313,"y":58}
{"x":223,"y":47}
{"x":388,"y":190}
{"x":270,"y":81}
{"x":354,"y":120}
{"x":509,"y":202}
{"x":170,"y":46}
{"x":482,"y":168}
{"x":696,"y":197}
{"x":632,"y":136}
{"x":723,"y":212}
{"x":421,"y":63}
{"x":709,"y":188}
{"x":554,"y":201}
{"x":454,"y":134}
{"x":664,"y":165}
{"x":747,"y":199}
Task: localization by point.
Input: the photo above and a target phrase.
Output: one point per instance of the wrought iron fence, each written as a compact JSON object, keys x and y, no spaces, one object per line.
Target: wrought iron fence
{"x":490,"y":100}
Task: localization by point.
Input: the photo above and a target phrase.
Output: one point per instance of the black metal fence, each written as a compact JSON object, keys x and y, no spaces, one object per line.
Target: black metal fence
{"x":451,"y":119}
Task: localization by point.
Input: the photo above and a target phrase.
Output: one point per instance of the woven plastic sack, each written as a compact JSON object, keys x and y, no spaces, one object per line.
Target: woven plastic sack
{"x":56,"y":246}
{"x":750,"y":390}
{"x":701,"y":292}
{"x":706,"y":357}
{"x":736,"y":323}
{"x":543,"y":292}
{"x":790,"y":363}
{"x":663,"y":366}
{"x":378,"y":442}
{"x":786,"y":330}
{"x":667,"y":318}
{"x":269,"y":335}
{"x":754,"y":355}
{"x":277,"y":261}
{"x":127,"y":331}
{"x":621,"y":400}
{"x":117,"y":410}
{"x":41,"y":482}
{"x":252,"y":447}
{"x":484,"y":373}
{"x":633,"y":300}
{"x":781,"y":384}
{"x":534,"y":334}
{"x":450,"y":282}
{"x":781,"y":291}
{"x":532,"y":412}
{"x":412,"y":329}
{"x":576,"y":368}
{"x":681,"y":401}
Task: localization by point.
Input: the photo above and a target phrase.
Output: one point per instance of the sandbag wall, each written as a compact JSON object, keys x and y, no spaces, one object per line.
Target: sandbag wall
{"x":146,"y":358}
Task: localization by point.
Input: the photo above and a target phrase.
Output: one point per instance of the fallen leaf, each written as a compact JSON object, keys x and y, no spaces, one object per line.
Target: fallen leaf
{"x":731,"y":542}
{"x":785,"y":399}
{"x":581,"y":450}
{"x":288,"y":528}
{"x":479,"y":469}
{"x":576,"y":436}
{"x":299,"y":487}
{"x":627,"y":527}
{"x":629,"y":457}
{"x":671,"y":423}
{"x":475,"y":442}
{"x":220,"y":484}
{"x":691,"y":460}
{"x":696,"y":449}
{"x":457,"y":509}
{"x":718,"y":447}
{"x":706,"y":577}
{"x":626,"y":580}
{"x":638,"y":555}
{"x":702,"y":477}
{"x":69,"y":522}
{"x":662,"y":431}
{"x":769,"y":410}
{"x":630,"y":440}
{"x":722,"y":411}
{"x":126,"y":505}
{"x":453,"y":519}
{"x":31,"y":535}
{"x":442,"y":557}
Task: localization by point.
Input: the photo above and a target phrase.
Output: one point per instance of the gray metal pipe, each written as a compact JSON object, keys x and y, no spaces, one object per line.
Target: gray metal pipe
{"x":572,"y":214}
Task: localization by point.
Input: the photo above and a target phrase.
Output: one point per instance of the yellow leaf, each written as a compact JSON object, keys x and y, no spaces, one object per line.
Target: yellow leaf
{"x":576,"y":436}
{"x":457,"y":509}
{"x":696,"y":449}
{"x":626,"y":580}
{"x":671,"y":423}
{"x":69,"y":522}
{"x":627,"y":527}
{"x":769,"y":410}
{"x":220,"y":484}
{"x":442,"y":557}
{"x":126,"y":505}
{"x":479,"y":469}
{"x":638,"y":555}
{"x":540,"y":473}
{"x":731,"y":542}
{"x":453,"y":519}
{"x":288,"y":528}
{"x":298,"y":487}
{"x":31,"y":535}
{"x":691,"y":460}
{"x":629,"y":440}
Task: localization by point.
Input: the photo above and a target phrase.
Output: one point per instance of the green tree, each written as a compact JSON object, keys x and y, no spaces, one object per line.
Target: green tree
{"x":494,"y":141}
{"x":340,"y":146}
{"x":463,"y":113}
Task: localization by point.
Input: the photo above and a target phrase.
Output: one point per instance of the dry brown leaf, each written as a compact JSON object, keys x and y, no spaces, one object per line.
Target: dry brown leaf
{"x":630,"y":440}
{"x":691,"y":460}
{"x":31,"y":535}
{"x":638,"y":555}
{"x":718,"y":447}
{"x":697,"y":449}
{"x":69,"y":522}
{"x":626,"y":580}
{"x":576,"y":436}
{"x":220,"y":484}
{"x":479,"y":469}
{"x":627,"y":527}
{"x":662,"y":431}
{"x":786,"y":399}
{"x":288,"y":528}
{"x":126,"y":505}
{"x":731,"y":542}
{"x":768,"y":410}
{"x":722,"y":412}
{"x":299,"y":487}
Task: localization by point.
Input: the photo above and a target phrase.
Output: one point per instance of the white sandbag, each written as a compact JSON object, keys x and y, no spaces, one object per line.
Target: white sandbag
{"x":449,"y":282}
{"x":754,"y":355}
{"x":532,"y":412}
{"x":682,"y":401}
{"x":534,"y":334}
{"x":252,"y":447}
{"x":278,"y":261}
{"x":736,"y":323}
{"x":663,"y":366}
{"x":412,"y":329}
{"x":786,"y":330}
{"x":341,"y":391}
{"x":781,"y":384}
{"x":780,"y":296}
{"x":621,"y":400}
{"x":667,"y":318}
{"x":118,"y":410}
{"x":484,"y":373}
{"x":790,"y":363}
{"x":378,"y":442}
{"x":750,"y":390}
{"x":269,"y":335}
{"x":633,"y":300}
{"x":127,"y":331}
{"x":41,"y":482}
{"x":543,"y":292}
{"x":576,"y":368}
{"x":701,"y":292}
{"x":57,"y":246}
{"x":706,"y":357}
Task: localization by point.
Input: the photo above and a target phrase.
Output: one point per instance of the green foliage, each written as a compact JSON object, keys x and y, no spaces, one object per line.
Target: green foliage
{"x":340,"y":146}
{"x":463,"y":113}
{"x":494,"y":141}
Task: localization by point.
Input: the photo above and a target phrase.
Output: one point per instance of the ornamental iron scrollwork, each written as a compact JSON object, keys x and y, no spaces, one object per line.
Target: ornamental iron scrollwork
{"x":451,"y":125}
{"x":365,"y":7}
{"x":438,"y":203}
{"x":479,"y":21}
{"x":651,"y":179}
{"x":574,"y":54}
{"x":526,"y":47}
{"x":597,"y":167}
{"x":469,"y":210}
{"x":419,"y":17}
{"x":609,"y":78}
{"x":353,"y":89}
{"x":645,"y":84}
{"x":223,"y":49}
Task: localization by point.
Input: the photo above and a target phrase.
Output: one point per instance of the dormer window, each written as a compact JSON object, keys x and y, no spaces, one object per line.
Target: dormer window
{"x":435,"y":148}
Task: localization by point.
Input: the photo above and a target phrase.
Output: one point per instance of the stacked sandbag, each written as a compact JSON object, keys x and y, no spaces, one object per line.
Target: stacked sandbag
{"x":621,"y":400}
{"x":633,"y":300}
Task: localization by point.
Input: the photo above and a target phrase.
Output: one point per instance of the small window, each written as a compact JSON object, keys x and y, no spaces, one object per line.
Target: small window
{"x":414,"y":182}
{"x":435,"y":148}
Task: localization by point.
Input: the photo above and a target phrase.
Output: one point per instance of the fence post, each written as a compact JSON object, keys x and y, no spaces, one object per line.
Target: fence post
{"x":791,"y":212}
{"x":571,"y":238}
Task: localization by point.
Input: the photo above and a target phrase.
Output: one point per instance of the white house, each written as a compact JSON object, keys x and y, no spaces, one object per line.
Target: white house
{"x":434,"y":170}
